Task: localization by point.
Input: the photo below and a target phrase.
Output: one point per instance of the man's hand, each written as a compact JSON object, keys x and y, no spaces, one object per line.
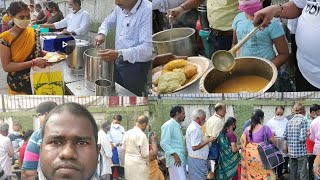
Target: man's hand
{"x":108,"y":55}
{"x":175,"y":13}
{"x":265,"y":15}
{"x":177,"y":160}
{"x":65,"y":31}
{"x":154,"y":137}
{"x":100,"y":39}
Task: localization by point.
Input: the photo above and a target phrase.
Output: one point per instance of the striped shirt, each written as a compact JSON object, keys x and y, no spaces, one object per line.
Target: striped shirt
{"x":296,"y":136}
{"x":31,"y":155}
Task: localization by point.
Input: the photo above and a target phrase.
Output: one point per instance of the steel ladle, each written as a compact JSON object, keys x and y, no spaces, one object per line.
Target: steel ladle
{"x":224,"y":60}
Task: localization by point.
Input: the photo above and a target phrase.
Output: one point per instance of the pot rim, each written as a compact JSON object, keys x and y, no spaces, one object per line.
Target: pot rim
{"x":271,"y":82}
{"x":153,"y":41}
{"x":91,"y":49}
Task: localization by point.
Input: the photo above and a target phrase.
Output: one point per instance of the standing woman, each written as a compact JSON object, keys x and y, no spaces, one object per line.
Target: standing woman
{"x":18,"y":50}
{"x":251,"y":164}
{"x":229,"y":152}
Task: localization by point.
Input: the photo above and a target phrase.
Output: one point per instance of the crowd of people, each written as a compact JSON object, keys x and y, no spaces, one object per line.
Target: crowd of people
{"x":194,"y":155}
{"x":66,"y":133}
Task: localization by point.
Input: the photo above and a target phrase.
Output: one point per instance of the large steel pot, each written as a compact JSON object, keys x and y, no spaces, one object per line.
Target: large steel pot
{"x":75,"y":59}
{"x":96,"y":68}
{"x":243,"y":66}
{"x":183,"y":42}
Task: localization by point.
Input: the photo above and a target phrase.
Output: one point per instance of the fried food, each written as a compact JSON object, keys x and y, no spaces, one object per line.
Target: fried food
{"x":54,"y":57}
{"x":190,"y":70}
{"x":175,"y":64}
{"x":156,"y":69}
{"x":171,"y":81}
{"x":155,"y":78}
{"x":165,"y":71}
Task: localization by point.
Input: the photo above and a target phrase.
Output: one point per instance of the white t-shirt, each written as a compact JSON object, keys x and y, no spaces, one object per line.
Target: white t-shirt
{"x":6,"y":152}
{"x":308,"y":40}
{"x":278,"y":125}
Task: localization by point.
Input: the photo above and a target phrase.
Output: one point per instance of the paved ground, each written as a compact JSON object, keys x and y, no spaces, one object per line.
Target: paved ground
{"x":3,"y":81}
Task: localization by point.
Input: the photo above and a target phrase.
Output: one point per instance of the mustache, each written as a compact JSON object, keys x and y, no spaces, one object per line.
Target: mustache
{"x":68,"y":165}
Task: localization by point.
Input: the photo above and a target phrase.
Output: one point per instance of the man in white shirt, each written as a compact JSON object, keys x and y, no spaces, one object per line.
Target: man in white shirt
{"x":197,"y":147}
{"x":77,"y":23}
{"x":104,"y":166}
{"x":278,"y":125}
{"x":6,"y":149}
{"x":136,"y":147}
{"x":133,"y":43}
{"x":116,"y":135}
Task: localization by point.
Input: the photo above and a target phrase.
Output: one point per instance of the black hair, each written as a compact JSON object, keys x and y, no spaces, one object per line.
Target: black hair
{"x":255,"y":120}
{"x":27,"y":135}
{"x":75,"y":109}
{"x":230,"y":121}
{"x":279,"y":107}
{"x":16,"y":7}
{"x":219,"y":106}
{"x":38,"y":6}
{"x":174,"y":110}
{"x":54,"y":5}
{"x":106,"y":125}
{"x":117,"y":117}
{"x":314,"y":107}
{"x":77,"y":2}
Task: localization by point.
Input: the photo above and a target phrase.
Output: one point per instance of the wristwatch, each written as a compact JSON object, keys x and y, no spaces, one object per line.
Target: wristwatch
{"x":120,"y":55}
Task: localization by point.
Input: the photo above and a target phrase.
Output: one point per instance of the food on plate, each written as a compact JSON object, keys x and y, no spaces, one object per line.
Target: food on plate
{"x":190,"y":70}
{"x":171,"y":81}
{"x":155,"y":77}
{"x":54,"y":57}
{"x":156,"y":69}
{"x":175,"y":64}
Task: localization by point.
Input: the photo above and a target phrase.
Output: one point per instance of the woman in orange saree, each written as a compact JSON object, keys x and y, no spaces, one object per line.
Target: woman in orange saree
{"x":19,"y":50}
{"x":251,"y":164}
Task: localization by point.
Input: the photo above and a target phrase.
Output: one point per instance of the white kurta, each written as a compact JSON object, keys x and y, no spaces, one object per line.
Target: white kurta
{"x":136,"y":146}
{"x":6,"y":152}
{"x":105,"y":152}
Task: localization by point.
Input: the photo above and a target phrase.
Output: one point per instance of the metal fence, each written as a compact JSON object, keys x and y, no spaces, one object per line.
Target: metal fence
{"x":242,"y":96}
{"x":25,"y":103}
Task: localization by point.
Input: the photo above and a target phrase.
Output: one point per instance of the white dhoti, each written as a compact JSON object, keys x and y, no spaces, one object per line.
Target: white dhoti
{"x":178,"y":172}
{"x":135,"y":168}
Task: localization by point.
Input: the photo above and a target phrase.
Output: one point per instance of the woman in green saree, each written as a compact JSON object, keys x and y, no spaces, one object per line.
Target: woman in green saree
{"x":229,"y":152}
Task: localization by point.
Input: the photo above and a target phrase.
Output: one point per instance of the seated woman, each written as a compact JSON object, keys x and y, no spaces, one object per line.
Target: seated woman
{"x":262,"y":43}
{"x":19,"y":50}
{"x":229,"y":152}
{"x":251,"y":164}
{"x":55,"y":15}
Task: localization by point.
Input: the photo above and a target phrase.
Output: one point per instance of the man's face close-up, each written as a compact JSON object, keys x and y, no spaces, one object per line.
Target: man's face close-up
{"x":68,"y":149}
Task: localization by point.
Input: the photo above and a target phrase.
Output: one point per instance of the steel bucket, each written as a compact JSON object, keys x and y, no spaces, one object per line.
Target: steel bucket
{"x":183,"y":42}
{"x":243,"y":66}
{"x":75,"y":60}
{"x":96,"y":68}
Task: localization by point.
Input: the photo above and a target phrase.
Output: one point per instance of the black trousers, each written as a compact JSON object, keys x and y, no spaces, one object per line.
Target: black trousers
{"x":132,"y":76}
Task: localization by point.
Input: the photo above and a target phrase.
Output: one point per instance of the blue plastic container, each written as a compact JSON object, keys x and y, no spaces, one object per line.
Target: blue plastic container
{"x":204,"y":37}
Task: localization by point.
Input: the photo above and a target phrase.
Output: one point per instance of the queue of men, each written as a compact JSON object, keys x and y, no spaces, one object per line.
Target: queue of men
{"x":67,"y":132}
